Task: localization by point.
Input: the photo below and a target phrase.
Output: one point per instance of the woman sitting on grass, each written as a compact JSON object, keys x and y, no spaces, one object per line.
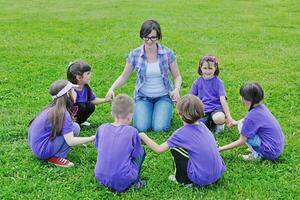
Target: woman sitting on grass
{"x":154,"y":93}
{"x":196,"y":156}
{"x":259,"y":130}
{"x":52,"y":131}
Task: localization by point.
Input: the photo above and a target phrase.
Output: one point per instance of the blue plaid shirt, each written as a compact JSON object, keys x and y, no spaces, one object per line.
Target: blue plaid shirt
{"x":138,"y":60}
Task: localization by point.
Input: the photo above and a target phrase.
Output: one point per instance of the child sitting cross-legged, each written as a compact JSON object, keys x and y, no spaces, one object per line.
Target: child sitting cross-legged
{"x":196,"y":156}
{"x":119,"y":151}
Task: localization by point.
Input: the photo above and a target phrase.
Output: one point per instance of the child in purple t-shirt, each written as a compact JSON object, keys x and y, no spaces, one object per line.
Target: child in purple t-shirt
{"x":119,"y":151}
{"x":196,"y":156}
{"x":259,"y":129}
{"x":52,"y":132}
{"x":210,"y":90}
{"x":79,"y":73}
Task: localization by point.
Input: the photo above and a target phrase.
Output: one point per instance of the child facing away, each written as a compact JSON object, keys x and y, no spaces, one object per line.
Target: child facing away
{"x":196,"y":156}
{"x":259,"y":129}
{"x":79,"y":73}
{"x":210,"y":90}
{"x":120,"y":154}
{"x":52,"y":132}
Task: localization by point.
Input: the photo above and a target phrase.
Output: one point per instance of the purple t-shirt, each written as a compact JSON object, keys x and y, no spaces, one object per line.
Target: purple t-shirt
{"x":82,"y":96}
{"x":39,"y":134}
{"x":209,"y":91}
{"x":260,"y":121}
{"x":205,"y":165}
{"x":117,"y":146}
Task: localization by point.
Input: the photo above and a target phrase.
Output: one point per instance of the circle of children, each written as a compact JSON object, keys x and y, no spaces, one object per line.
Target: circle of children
{"x":120,"y":153}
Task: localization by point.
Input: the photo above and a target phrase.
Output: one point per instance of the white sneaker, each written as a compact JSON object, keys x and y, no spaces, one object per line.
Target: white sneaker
{"x":86,"y":123}
{"x":251,"y":157}
{"x":219,"y":128}
{"x":173,"y":178}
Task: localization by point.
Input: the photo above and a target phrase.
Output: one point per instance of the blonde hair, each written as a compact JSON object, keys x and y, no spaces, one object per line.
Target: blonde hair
{"x":190,"y":108}
{"x":121,"y":106}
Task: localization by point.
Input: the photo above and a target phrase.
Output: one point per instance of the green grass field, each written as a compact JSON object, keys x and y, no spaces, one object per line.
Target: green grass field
{"x":254,"y":41}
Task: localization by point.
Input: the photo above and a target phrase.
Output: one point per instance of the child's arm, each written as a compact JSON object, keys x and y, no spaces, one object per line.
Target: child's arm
{"x":97,"y":101}
{"x":242,"y":140}
{"x":153,"y":145}
{"x":230,"y":122}
{"x":72,"y":141}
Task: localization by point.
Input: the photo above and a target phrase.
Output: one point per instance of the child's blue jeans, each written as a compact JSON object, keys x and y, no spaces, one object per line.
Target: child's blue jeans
{"x":153,"y":113}
{"x":61,"y":148}
{"x":139,"y":160}
{"x":253,"y":143}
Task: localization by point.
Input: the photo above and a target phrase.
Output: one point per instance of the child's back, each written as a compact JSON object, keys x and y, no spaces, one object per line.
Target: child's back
{"x":116,"y":147}
{"x":119,"y":151}
{"x":260,"y":121}
{"x":205,"y":165}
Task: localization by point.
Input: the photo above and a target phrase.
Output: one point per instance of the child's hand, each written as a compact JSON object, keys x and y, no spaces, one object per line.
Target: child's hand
{"x":231,"y":122}
{"x":93,"y":137}
{"x":142,"y":134}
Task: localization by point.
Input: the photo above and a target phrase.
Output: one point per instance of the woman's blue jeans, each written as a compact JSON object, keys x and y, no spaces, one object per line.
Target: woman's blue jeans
{"x":153,"y":113}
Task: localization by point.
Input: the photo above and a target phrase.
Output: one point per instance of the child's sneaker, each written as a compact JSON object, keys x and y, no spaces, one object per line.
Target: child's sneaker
{"x":61,"y":162}
{"x":219,"y":128}
{"x":139,"y":184}
{"x":251,"y":157}
{"x":86,"y":123}
{"x":190,"y":185}
{"x":173,"y":178}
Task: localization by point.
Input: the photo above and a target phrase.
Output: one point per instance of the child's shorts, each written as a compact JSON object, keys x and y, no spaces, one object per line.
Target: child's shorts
{"x":207,"y":119}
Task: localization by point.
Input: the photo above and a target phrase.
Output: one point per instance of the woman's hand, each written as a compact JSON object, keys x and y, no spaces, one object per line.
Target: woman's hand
{"x":110,"y":95}
{"x":175,"y":94}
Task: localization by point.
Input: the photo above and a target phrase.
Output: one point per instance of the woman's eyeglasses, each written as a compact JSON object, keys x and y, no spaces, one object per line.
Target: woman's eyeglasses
{"x":152,"y":38}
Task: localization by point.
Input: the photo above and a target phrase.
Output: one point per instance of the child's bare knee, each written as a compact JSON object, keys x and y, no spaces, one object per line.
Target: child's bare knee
{"x":219,"y":118}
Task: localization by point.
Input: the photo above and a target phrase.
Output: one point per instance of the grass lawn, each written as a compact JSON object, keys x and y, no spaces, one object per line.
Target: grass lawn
{"x":254,"y":41}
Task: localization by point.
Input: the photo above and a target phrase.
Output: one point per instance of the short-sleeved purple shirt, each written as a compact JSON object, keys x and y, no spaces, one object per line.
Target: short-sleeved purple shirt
{"x":39,"y":134}
{"x":82,"y":96}
{"x":205,"y":165}
{"x":209,"y":92}
{"x":260,"y":121}
{"x":116,"y":148}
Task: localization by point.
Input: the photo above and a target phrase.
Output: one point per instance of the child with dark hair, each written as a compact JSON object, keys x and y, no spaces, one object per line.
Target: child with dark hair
{"x":120,"y":153}
{"x":52,"y":132}
{"x":210,"y":90}
{"x":193,"y":147}
{"x":79,"y":73}
{"x":259,"y":129}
